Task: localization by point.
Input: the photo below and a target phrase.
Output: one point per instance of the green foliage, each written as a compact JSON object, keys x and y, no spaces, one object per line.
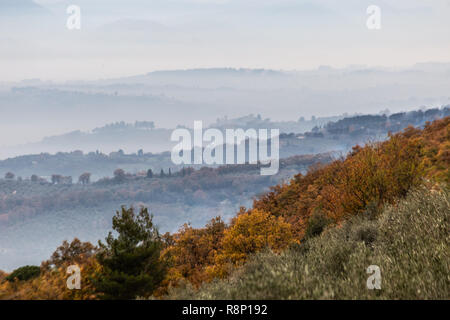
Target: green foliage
{"x":131,"y":261}
{"x":24,"y":273}
{"x":409,"y":242}
{"x":316,"y":224}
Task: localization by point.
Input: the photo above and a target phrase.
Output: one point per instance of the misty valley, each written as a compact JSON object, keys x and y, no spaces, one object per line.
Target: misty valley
{"x":45,"y":198}
{"x":203,"y":157}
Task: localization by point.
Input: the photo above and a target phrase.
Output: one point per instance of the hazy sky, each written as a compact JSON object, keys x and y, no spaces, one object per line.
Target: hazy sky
{"x":119,"y":38}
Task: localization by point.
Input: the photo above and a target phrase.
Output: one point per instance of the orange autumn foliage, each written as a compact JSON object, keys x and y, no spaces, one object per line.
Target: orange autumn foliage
{"x":372,"y":175}
{"x":192,"y":251}
{"x":51,"y":285}
{"x":249,"y":233}
{"x":199,"y":255}
{"x":52,"y":282}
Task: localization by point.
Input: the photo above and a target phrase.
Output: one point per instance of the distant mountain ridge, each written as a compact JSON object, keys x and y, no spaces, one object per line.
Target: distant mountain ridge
{"x":218,"y":71}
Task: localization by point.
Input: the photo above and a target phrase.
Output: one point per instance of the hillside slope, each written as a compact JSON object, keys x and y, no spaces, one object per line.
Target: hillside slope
{"x":386,"y":205}
{"x":409,"y":242}
{"x":361,"y":184}
{"x":35,"y":216}
{"x":368,"y":177}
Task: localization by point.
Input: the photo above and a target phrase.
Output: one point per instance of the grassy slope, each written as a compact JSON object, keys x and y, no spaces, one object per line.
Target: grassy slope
{"x":408,"y":241}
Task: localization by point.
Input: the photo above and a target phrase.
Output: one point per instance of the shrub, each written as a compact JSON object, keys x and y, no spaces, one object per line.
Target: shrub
{"x":192,"y":251}
{"x":24,"y":273}
{"x":316,"y":224}
{"x":250,"y":232}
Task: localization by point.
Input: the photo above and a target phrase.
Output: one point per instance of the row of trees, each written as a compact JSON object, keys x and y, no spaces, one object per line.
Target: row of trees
{"x":119,"y":176}
{"x":84,"y":178}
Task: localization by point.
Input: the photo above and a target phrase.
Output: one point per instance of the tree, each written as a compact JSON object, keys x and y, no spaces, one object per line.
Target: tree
{"x":149,"y":173}
{"x":34,"y":178}
{"x":119,"y":175}
{"x":24,"y":273}
{"x":85,"y":178}
{"x":192,"y":252}
{"x":52,"y":283}
{"x":9,"y":176}
{"x":162,"y":174}
{"x":70,"y":253}
{"x":131,"y":262}
{"x":250,"y":232}
{"x":66,"y":180}
{"x":57,"y":178}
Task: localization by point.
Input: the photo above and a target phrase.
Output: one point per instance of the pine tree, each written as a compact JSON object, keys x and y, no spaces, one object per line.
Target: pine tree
{"x":131,"y":261}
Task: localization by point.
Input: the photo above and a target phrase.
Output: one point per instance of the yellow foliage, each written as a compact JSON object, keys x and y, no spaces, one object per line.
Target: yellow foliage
{"x":250,"y":232}
{"x":52,"y":282}
{"x":51,"y":285}
{"x":192,"y":251}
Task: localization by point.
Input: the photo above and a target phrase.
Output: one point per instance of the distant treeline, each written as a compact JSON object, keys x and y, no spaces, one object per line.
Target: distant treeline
{"x":337,"y":136}
{"x":25,"y":198}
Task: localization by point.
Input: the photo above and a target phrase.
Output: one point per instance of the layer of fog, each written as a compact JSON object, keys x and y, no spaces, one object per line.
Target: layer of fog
{"x":34,"y":109}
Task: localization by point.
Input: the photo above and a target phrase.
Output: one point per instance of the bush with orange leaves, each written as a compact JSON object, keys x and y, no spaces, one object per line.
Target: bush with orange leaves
{"x":191,"y":251}
{"x":249,"y":233}
{"x":200,"y":255}
{"x":52,"y":282}
{"x":436,"y":137}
